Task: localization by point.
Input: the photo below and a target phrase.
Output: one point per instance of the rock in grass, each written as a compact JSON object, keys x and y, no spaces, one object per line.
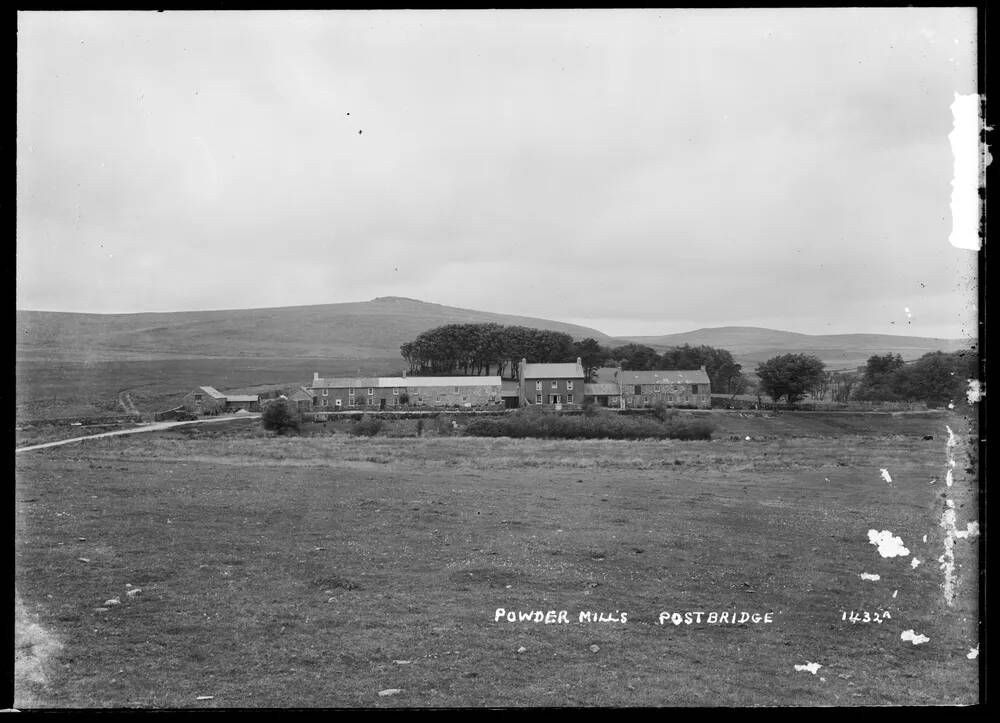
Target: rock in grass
{"x":134,"y":591}
{"x":522,"y":649}
{"x":594,"y":648}
{"x":389,"y":691}
{"x":112,"y":601}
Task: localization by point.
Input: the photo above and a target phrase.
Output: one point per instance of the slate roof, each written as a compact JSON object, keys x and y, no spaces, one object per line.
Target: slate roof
{"x":299,"y":394}
{"x":408,"y":382}
{"x":213,"y":392}
{"x":242,"y":398}
{"x":343,"y":382}
{"x":673,"y":376}
{"x":601,"y":389}
{"x":571,"y":370}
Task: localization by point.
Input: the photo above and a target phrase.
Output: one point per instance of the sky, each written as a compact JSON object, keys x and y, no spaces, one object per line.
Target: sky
{"x":639,"y":172}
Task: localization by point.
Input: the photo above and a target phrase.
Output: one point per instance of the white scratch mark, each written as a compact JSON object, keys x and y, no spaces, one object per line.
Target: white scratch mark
{"x":895,"y":593}
{"x":967,"y":170}
{"x":971,"y":530}
{"x":913,"y":637}
{"x":888,"y":544}
{"x":869,"y":576}
{"x":973,"y":653}
{"x":947,"y":560}
{"x":925,"y":538}
{"x":976,"y":391}
{"x":809,"y":667}
{"x":914,"y":562}
{"x":885,"y":475}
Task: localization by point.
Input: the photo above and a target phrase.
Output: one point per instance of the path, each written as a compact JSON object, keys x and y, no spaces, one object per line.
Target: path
{"x":125,"y":400}
{"x":154,"y":427}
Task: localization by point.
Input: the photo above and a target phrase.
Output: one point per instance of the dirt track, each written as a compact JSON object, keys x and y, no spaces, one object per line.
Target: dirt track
{"x":154,"y":427}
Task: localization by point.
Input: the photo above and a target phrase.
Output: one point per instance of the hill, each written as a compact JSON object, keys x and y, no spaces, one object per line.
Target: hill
{"x":750,"y":345}
{"x":358,"y":330}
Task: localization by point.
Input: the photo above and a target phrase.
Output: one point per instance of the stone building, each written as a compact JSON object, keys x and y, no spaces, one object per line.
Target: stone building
{"x":369,"y":393}
{"x":204,"y":400}
{"x":675,"y":388}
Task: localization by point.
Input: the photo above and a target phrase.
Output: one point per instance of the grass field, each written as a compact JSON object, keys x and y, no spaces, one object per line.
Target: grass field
{"x":321,"y":570}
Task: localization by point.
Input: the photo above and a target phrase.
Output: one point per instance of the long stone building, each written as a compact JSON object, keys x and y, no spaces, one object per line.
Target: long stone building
{"x":335,"y":394}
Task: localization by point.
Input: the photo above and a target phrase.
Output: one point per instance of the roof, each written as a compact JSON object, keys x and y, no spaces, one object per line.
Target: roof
{"x":213,"y":392}
{"x":467,"y":381}
{"x":573,"y":370}
{"x":299,"y":394}
{"x":242,"y":398}
{"x":673,"y":376}
{"x":408,"y":382}
{"x":605,"y":374}
{"x":600,"y":389}
{"x":338,"y":382}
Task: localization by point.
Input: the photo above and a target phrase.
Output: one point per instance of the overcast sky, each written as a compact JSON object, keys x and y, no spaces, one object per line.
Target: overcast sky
{"x":641,"y":172}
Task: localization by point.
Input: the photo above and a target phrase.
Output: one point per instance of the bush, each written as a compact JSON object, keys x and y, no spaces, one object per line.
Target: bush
{"x":662,"y":412}
{"x":281,"y":417}
{"x":535,"y":423}
{"x":367,"y":426}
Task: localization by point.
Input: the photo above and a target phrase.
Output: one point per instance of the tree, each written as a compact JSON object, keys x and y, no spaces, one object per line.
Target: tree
{"x":636,"y":357}
{"x":592,"y":355}
{"x":884,"y":379}
{"x":790,"y":376}
{"x":279,"y":416}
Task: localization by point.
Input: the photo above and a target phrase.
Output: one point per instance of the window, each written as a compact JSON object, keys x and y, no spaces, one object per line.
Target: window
{"x":395,"y":391}
{"x":326,"y":393}
{"x":569,"y":386}
{"x":197,"y":397}
{"x":694,"y":388}
{"x":555,"y":384}
{"x":350,"y":392}
{"x":315,"y":401}
{"x":493,"y":397}
{"x":638,"y":389}
{"x":538,"y":386}
{"x":370,"y":391}
{"x":656,"y":387}
{"x":569,"y":397}
{"x":338,"y":403}
{"x":324,"y":402}
{"x":456,"y":390}
{"x":352,"y":402}
{"x":538,"y":397}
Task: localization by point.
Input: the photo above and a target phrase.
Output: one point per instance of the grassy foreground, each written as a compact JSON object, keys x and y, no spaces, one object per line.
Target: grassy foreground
{"x":320,"y":571}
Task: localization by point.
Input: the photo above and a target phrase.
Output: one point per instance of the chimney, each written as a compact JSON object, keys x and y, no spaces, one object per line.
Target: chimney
{"x":315,"y":377}
{"x":404,"y":374}
{"x":579,"y":361}
{"x":703,"y":367}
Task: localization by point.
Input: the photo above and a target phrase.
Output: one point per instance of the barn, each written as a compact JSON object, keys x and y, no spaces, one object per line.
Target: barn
{"x":249,"y":402}
{"x":204,"y":400}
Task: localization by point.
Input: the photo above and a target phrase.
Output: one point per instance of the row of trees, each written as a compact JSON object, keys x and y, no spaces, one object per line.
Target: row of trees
{"x":496,"y":349}
{"x":484,"y":349}
{"x":936,"y":378}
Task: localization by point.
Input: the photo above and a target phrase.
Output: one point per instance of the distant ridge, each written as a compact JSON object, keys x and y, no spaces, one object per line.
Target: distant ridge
{"x":375,"y":329}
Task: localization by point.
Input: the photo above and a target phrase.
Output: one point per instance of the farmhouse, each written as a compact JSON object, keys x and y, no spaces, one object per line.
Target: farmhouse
{"x":335,"y":394}
{"x":682,"y":387}
{"x":551,"y":384}
{"x":204,"y":400}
